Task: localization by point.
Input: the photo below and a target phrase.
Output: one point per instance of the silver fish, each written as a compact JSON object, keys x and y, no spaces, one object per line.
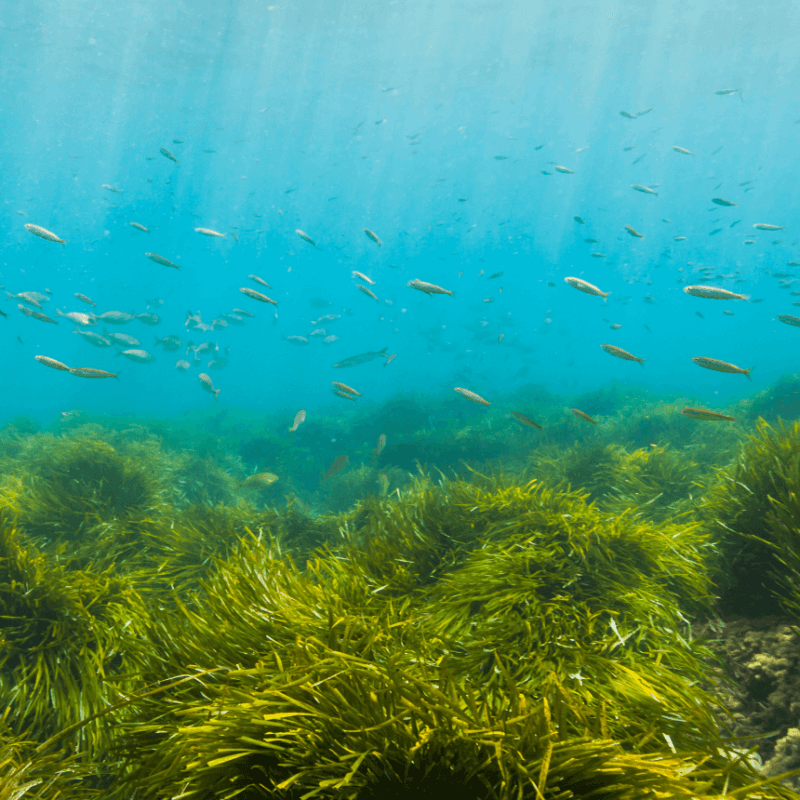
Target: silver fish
{"x":363,"y":358}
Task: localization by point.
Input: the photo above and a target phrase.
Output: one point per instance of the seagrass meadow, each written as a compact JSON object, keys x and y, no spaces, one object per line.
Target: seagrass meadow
{"x":479,"y":610}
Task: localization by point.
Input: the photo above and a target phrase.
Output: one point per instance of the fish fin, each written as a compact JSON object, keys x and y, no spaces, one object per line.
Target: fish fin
{"x":641,"y":361}
{"x":116,"y":376}
{"x":747,"y":373}
{"x":383,"y":352}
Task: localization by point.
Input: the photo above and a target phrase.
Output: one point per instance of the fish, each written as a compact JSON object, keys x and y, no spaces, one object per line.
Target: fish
{"x":305,"y":236}
{"x":367,"y":291}
{"x":585,"y":286}
{"x":182,"y":365}
{"x":87,"y":320}
{"x":523,"y":420}
{"x":682,"y":150}
{"x":207,"y":385}
{"x":165,"y":262}
{"x":31,"y":298}
{"x":43,"y":233}
{"x":116,"y":317}
{"x":372,"y":235}
{"x":632,"y":232}
{"x":94,"y":338}
{"x":590,"y":241}
{"x":90,"y":372}
{"x":704,"y":413}
{"x":336,"y":467}
{"x":644,"y":189}
{"x":51,"y":362}
{"x":169,"y":343}
{"x":29,"y":312}
{"x":297,"y":340}
{"x":343,"y":395}
{"x":209,"y":232}
{"x":720,"y":366}
{"x":714,"y":232}
{"x":84,"y":299}
{"x":620,"y":353}
{"x":788,"y":319}
{"x":148,"y":318}
{"x":121,"y":338}
{"x":726,"y":91}
{"x":363,"y":277}
{"x":714,"y":293}
{"x":389,"y":359}
{"x":259,"y":280}
{"x":299,"y":419}
{"x":379,"y":448}
{"x":363,"y":358}
{"x":343,"y":387}
{"x":112,"y":189}
{"x":583,"y":415}
{"x":476,"y":398}
{"x":579,"y":220}
{"x":139,"y":226}
{"x":597,"y":255}
{"x":257,"y":295}
{"x":496,"y":275}
{"x":565,"y":170}
{"x":627,"y":115}
{"x":763,"y":226}
{"x":646,"y":111}
{"x":258,"y":480}
{"x":139,"y":356}
{"x":166,"y":153}
{"x":679,"y":239}
{"x":721,"y":202}
{"x":428,"y":288}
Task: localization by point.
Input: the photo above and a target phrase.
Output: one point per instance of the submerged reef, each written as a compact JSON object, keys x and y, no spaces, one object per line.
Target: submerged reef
{"x":578,"y":619}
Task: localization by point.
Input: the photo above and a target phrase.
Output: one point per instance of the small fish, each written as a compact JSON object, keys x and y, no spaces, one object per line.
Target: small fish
{"x":523,"y":420}
{"x":258,"y":480}
{"x":615,"y":326}
{"x":644,"y":189}
{"x":372,"y":235}
{"x":682,"y":150}
{"x":116,"y":317}
{"x":428,"y":288}
{"x":257,"y":295}
{"x":632,"y":232}
{"x":788,"y":319}
{"x":679,"y":239}
{"x":585,"y":286}
{"x":646,"y":111}
{"x":43,"y":233}
{"x":496,"y":275}
{"x":259,"y":280}
{"x":389,"y":359}
{"x":148,"y":318}
{"x":139,"y":356}
{"x":335,"y":467}
{"x":583,"y":415}
{"x":579,"y":220}
{"x":343,"y":387}
{"x":476,"y":398}
{"x":169,"y":343}
{"x":87,"y":320}
{"x":713,"y":293}
{"x":29,"y":312}
{"x":121,"y":338}
{"x":166,"y":153}
{"x":165,"y":262}
{"x":306,"y":237}
{"x":84,"y":299}
{"x":501,"y":158}
{"x":367,"y":291}
{"x":363,"y":277}
{"x":726,"y":91}
{"x":720,"y":366}
{"x":299,"y":419}
{"x":139,"y":226}
{"x":207,"y":385}
{"x":343,"y":395}
{"x":51,"y":362}
{"x":597,"y":255}
{"x":112,"y":189}
{"x":209,"y":232}
{"x":297,"y":340}
{"x":565,"y":170}
{"x":627,"y":115}
{"x":720,"y":202}
{"x":620,"y":353}
{"x":31,"y":298}
{"x":379,"y":448}
{"x":590,"y":241}
{"x":90,"y":372}
{"x":363,"y":358}
{"x":704,"y":413}
{"x":734,"y":224}
{"x":763,"y":226}
{"x":714,"y":232}
{"x":182,"y":365}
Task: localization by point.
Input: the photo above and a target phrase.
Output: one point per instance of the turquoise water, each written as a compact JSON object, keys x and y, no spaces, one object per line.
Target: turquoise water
{"x":432,"y":125}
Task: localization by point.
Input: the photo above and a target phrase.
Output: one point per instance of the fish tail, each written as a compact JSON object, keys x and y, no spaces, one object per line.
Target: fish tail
{"x":116,"y":376}
{"x":641,"y":361}
{"x":747,"y":373}
{"x":383,"y":352}
{"x":216,"y":394}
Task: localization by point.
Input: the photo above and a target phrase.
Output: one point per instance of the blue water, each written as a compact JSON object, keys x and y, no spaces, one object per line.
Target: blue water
{"x":335,"y":116}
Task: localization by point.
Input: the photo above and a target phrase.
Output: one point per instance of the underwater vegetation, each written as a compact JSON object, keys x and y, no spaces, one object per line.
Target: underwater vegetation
{"x":521,"y":627}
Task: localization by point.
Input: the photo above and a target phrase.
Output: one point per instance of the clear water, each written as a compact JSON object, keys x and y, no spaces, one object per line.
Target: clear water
{"x":332,"y":117}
